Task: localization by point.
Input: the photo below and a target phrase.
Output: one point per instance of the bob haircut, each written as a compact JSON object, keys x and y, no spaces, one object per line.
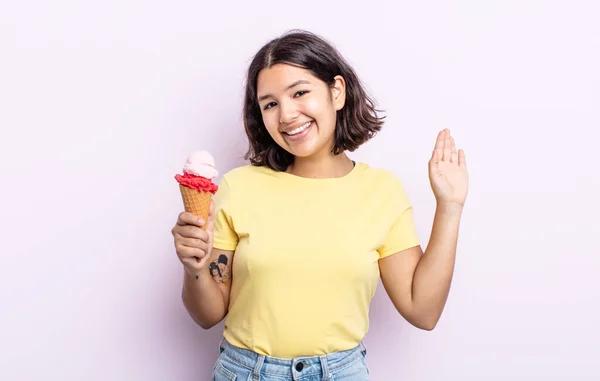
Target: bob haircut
{"x":356,"y":122}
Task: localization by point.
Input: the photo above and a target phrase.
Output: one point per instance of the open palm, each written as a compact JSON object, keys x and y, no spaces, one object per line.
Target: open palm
{"x":448,"y":171}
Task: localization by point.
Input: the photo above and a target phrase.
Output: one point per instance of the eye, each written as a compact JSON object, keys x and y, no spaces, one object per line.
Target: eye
{"x":301,"y":93}
{"x":269,"y":105}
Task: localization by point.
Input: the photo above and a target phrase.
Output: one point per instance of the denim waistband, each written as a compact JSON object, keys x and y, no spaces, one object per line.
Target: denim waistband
{"x":294,"y":368}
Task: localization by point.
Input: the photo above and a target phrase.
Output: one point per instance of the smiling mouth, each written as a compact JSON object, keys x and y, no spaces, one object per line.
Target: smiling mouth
{"x":299,"y":130}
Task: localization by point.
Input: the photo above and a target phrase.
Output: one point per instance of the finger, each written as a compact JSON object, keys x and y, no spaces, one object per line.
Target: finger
{"x":462,"y":160}
{"x":193,"y":243}
{"x":191,"y":231}
{"x":195,"y":264}
{"x":185,"y":252}
{"x":447,"y":147}
{"x":454,"y":154}
{"x":439,"y":144}
{"x":435,"y":157}
{"x":187,"y":218}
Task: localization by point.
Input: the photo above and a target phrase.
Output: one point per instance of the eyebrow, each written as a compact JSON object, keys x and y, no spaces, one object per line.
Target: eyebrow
{"x":298,"y":82}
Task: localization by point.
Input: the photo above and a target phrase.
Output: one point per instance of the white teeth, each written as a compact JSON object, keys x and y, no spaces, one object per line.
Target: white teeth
{"x":299,"y":129}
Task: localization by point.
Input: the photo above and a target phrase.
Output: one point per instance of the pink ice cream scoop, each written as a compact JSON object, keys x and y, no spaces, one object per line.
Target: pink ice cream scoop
{"x":198,"y":172}
{"x":201,"y":163}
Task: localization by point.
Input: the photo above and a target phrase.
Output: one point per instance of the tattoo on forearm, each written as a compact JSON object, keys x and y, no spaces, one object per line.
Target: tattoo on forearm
{"x":220,"y":270}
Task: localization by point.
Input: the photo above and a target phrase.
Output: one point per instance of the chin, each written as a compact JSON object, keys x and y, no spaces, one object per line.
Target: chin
{"x":305,"y":149}
{"x":304,"y":152}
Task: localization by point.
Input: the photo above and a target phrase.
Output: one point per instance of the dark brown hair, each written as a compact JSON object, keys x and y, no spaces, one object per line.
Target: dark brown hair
{"x":356,"y":122}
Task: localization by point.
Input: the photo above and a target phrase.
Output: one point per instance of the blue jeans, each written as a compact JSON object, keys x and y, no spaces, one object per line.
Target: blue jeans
{"x":237,"y":364}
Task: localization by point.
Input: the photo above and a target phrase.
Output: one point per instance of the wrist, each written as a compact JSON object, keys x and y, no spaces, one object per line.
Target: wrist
{"x":195,"y":273}
{"x":450,"y":207}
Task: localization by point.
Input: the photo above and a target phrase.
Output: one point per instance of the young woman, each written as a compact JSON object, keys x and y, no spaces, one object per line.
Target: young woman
{"x":297,"y":240}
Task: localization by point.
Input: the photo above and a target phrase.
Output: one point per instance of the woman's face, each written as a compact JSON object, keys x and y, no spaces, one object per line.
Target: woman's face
{"x":299,"y":110}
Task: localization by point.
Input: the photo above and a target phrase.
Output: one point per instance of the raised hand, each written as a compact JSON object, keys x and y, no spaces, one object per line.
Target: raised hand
{"x":448,"y":171}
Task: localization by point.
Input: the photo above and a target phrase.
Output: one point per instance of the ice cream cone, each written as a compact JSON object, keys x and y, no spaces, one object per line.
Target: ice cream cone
{"x":196,"y":202}
{"x":196,"y":184}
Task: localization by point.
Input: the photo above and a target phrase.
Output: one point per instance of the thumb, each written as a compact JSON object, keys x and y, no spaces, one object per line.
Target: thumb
{"x":433,"y":161}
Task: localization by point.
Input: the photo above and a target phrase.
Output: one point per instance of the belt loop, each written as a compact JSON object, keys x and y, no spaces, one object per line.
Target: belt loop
{"x":325,"y":368}
{"x":256,"y":371}
{"x":363,"y":349}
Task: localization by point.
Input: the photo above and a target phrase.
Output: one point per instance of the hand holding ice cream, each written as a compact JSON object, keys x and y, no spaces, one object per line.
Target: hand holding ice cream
{"x":193,"y":239}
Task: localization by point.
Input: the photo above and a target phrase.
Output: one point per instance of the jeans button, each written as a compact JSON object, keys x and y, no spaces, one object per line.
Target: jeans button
{"x":299,"y":367}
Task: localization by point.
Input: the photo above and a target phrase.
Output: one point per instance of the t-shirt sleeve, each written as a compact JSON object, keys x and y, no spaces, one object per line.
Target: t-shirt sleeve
{"x":225,"y":237}
{"x":403,"y":232}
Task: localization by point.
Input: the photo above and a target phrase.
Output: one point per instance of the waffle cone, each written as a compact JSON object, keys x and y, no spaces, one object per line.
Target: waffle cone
{"x":196,"y":202}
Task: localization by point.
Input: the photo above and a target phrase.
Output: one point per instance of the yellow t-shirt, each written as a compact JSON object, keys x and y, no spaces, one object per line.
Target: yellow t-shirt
{"x":306,"y":250}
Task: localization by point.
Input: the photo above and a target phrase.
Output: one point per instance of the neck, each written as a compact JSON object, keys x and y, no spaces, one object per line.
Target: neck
{"x":331,"y":166}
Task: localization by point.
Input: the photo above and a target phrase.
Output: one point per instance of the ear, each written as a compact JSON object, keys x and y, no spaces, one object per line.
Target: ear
{"x":338,"y":92}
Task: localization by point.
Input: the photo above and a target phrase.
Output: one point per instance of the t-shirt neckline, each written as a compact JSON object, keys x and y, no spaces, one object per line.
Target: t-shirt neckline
{"x":358,"y":166}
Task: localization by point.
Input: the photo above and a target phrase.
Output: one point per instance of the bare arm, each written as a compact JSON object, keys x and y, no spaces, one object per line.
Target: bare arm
{"x":418,"y":284}
{"x":207,"y":271}
{"x":207,"y":298}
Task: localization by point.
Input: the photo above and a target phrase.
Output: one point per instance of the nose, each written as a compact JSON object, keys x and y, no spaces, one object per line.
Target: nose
{"x":287,"y":112}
